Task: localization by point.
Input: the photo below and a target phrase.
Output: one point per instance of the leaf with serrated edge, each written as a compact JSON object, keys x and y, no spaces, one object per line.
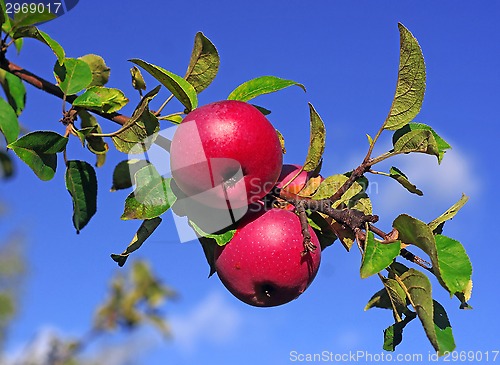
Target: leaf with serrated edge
{"x":81,"y":183}
{"x":14,"y":90}
{"x":260,"y":86}
{"x":204,"y":63}
{"x":9,"y":125}
{"x":377,"y":256}
{"x":100,"y":71}
{"x":102,"y":99}
{"x":38,"y":150}
{"x":415,"y":232}
{"x":316,"y":141}
{"x":442,"y":145}
{"x":418,"y":140}
{"x":182,"y":90}
{"x":449,"y":214}
{"x":33,"y":32}
{"x":152,"y":195}
{"x":73,"y":75}
{"x":443,"y":329}
{"x":454,"y":264}
{"x":419,"y":291}
{"x":401,"y":178}
{"x":145,"y":230}
{"x":410,"y":88}
{"x":138,"y":137}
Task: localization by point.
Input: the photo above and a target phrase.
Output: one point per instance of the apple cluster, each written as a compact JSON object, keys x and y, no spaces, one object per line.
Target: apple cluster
{"x":225,"y":158}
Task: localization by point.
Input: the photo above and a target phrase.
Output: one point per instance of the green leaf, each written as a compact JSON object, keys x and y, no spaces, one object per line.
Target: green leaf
{"x":9,"y":125}
{"x":38,"y":150}
{"x":442,"y":145}
{"x":6,"y":166}
{"x":221,"y":238}
{"x":123,"y":172}
{"x":204,"y":63}
{"x":443,"y":257}
{"x":454,"y":264}
{"x":316,"y":141}
{"x":172,"y":118}
{"x":377,"y":256}
{"x":393,"y":335}
{"x":410,"y":88}
{"x":33,"y":32}
{"x":22,"y":19}
{"x":182,"y":90}
{"x":152,"y":195}
{"x":419,"y":291}
{"x":102,"y":99}
{"x":333,"y":183}
{"x":73,"y":75}
{"x":419,"y":140}
{"x":94,"y":144}
{"x":259,"y":86}
{"x":4,"y":18}
{"x":138,"y":137}
{"x":443,"y":329}
{"x":392,"y":296}
{"x":14,"y":90}
{"x":401,"y":178}
{"x":145,"y":230}
{"x":138,"y":82}
{"x":81,"y":183}
{"x":140,"y":130}
{"x":100,"y":71}
{"x":436,"y":224}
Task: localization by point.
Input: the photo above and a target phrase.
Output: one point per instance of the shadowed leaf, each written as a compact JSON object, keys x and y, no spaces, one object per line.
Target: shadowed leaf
{"x":81,"y":183}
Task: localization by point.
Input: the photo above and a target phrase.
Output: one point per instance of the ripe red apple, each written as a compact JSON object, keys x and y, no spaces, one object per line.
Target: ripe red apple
{"x":288,"y":172}
{"x":226,"y":154}
{"x":264,"y":265}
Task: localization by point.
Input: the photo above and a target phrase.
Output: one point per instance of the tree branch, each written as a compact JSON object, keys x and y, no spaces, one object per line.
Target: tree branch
{"x":51,"y":88}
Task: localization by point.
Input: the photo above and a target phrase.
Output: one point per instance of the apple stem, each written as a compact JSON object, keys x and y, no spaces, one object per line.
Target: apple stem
{"x":301,"y":211}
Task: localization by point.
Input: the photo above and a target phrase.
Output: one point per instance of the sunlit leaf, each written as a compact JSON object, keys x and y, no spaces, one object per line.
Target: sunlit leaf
{"x":102,"y":99}
{"x":100,"y":71}
{"x":73,"y":75}
{"x":138,"y":82}
{"x":14,"y":90}
{"x":316,"y":141}
{"x":182,"y":90}
{"x":9,"y":125}
{"x":410,"y":88}
{"x":449,"y":214}
{"x":33,"y":32}
{"x":204,"y":63}
{"x":38,"y":150}
{"x":259,"y":86}
{"x":377,"y":256}
{"x":401,"y":178}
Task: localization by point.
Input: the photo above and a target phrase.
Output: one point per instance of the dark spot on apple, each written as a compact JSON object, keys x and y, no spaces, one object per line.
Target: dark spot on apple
{"x":267,"y":290}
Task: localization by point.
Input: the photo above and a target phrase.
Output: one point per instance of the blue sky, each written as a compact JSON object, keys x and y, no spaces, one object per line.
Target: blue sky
{"x":346,"y":54}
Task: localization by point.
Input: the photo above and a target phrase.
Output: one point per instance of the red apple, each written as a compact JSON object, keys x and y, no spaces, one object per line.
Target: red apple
{"x":264,"y":265}
{"x":288,"y":172}
{"x":226,"y":154}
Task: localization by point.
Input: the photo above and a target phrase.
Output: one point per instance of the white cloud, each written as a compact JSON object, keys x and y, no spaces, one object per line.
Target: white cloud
{"x":441,"y":184}
{"x":212,"y":320}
